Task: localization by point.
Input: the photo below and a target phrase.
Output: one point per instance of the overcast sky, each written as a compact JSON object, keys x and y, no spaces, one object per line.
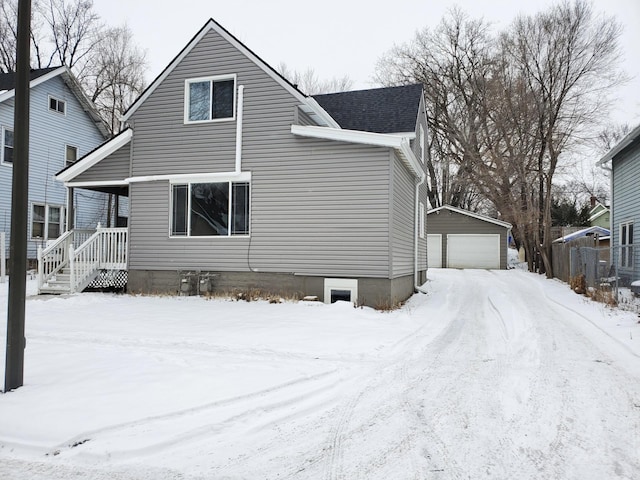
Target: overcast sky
{"x":338,"y":37}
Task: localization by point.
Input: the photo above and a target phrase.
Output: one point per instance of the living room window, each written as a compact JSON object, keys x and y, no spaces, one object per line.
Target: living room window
{"x":626,"y":244}
{"x":57,"y":105}
{"x":210,"y":209}
{"x":7,"y":146}
{"x":46,"y":221}
{"x":209,"y":99}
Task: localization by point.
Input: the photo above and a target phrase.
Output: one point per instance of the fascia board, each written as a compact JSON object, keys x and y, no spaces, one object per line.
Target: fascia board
{"x":213,"y":25}
{"x":95,"y":157}
{"x":54,"y":73}
{"x":194,"y":177}
{"x":626,"y":141}
{"x":471,"y":214}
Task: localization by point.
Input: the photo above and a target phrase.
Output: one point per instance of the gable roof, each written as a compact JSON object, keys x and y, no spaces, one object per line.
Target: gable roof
{"x":309,"y":105}
{"x":8,"y":80}
{"x":478,"y":216}
{"x":44,"y":74}
{"x":377,"y":110}
{"x":602,"y":232}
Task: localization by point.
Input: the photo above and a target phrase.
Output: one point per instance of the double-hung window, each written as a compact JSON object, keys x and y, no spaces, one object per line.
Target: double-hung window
{"x":7,"y":146}
{"x":626,"y":244}
{"x":46,"y":221}
{"x":209,"y":99}
{"x":210,"y":209}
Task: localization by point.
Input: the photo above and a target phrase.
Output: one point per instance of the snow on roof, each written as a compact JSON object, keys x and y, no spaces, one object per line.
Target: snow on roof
{"x":583,"y":233}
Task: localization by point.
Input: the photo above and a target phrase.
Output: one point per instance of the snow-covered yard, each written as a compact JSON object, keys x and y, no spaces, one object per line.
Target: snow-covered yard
{"x":490,"y":375}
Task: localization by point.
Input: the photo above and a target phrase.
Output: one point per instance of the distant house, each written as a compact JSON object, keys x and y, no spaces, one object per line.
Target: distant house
{"x":64,"y":126}
{"x":237,"y":180}
{"x":462,"y":239}
{"x":599,"y":215}
{"x":623,"y":161}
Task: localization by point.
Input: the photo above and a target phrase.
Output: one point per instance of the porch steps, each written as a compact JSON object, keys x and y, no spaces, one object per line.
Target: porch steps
{"x":61,"y":283}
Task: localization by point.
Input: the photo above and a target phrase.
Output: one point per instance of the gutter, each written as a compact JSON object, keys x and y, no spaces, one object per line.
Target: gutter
{"x":239,"y":129}
{"x":416,"y":240}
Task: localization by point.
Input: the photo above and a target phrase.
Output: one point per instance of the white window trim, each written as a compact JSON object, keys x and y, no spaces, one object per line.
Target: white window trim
{"x":46,"y":220}
{"x":350,"y":284}
{"x":2,"y":162}
{"x":67,"y":145}
{"x":215,"y":78}
{"x":188,"y":184}
{"x":626,"y":249}
{"x":59,"y":100}
{"x":421,"y":221}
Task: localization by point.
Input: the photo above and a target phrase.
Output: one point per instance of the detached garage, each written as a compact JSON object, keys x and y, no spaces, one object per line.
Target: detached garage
{"x":461,"y":239}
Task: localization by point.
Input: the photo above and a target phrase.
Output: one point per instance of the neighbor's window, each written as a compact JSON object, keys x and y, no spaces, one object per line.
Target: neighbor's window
{"x":211,"y":98}
{"x":57,"y":105}
{"x":46,"y":221}
{"x":71,"y":155}
{"x":210,"y":209}
{"x":626,"y":244}
{"x":7,"y":145}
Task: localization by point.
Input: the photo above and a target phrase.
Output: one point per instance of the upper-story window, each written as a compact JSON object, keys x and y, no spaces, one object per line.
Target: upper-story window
{"x":209,"y":99}
{"x":70,"y":155}
{"x":57,"y":105}
{"x":6,"y":153}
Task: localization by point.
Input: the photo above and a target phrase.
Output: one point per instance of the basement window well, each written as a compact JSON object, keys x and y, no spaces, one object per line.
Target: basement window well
{"x":340,"y":289}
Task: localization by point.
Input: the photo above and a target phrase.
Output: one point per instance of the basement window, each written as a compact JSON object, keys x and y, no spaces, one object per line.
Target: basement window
{"x":340,"y":289}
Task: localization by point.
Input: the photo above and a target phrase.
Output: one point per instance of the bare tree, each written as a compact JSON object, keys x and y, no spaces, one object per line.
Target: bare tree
{"x":451,"y":62}
{"x":68,"y":32}
{"x":568,"y":57}
{"x":309,"y":82}
{"x":114,"y":74}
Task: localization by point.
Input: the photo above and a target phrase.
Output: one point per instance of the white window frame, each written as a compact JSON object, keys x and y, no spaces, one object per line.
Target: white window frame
{"x":212,"y":80}
{"x":331,"y":284}
{"x":626,"y":245}
{"x":46,"y":206}
{"x":58,"y":101}
{"x":213,"y":180}
{"x":421,"y":221}
{"x":2,"y":133}
{"x":66,"y":159}
{"x":422,"y":144}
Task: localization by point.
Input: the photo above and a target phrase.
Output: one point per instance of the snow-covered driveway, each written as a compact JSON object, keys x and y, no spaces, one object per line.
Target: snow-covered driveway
{"x":491,"y":375}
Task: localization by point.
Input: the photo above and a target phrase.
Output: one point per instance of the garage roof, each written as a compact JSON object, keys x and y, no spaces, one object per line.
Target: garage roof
{"x":471,"y":214}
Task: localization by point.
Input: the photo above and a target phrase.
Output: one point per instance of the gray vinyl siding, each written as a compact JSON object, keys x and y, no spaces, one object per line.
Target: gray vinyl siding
{"x":403,"y":219}
{"x":114,"y":167}
{"x":626,"y":196}
{"x":164,"y":144}
{"x":445,"y":222}
{"x":318,"y":208}
{"x":304,"y":119}
{"x":49,"y":133}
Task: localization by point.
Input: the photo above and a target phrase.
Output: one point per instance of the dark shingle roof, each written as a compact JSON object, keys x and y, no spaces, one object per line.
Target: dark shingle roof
{"x":378,"y":110}
{"x":8,"y":80}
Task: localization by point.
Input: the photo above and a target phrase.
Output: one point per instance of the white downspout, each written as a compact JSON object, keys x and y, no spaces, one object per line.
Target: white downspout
{"x":239,"y":129}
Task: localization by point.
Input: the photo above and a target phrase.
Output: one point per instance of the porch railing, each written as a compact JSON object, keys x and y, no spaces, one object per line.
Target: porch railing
{"x":104,"y":248}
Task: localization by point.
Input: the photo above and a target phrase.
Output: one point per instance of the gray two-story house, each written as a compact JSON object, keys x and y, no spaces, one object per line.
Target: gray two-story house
{"x":64,"y":126}
{"x":623,"y":161}
{"x":235,"y":176}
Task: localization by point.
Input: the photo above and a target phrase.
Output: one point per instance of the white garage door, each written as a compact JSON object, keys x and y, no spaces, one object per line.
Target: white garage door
{"x":473,"y":251}
{"x":434,"y":250}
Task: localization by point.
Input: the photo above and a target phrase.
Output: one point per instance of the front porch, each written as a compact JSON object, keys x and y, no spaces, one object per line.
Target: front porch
{"x":80,"y":258}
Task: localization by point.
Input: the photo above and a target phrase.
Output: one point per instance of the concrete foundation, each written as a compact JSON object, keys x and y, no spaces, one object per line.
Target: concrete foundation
{"x":373,"y":292}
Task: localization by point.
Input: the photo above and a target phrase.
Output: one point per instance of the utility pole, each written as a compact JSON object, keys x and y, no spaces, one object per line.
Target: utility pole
{"x":14,"y":366}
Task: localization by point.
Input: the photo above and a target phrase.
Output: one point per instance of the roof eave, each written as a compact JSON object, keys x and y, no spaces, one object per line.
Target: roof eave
{"x":624,"y":143}
{"x":471,"y":214}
